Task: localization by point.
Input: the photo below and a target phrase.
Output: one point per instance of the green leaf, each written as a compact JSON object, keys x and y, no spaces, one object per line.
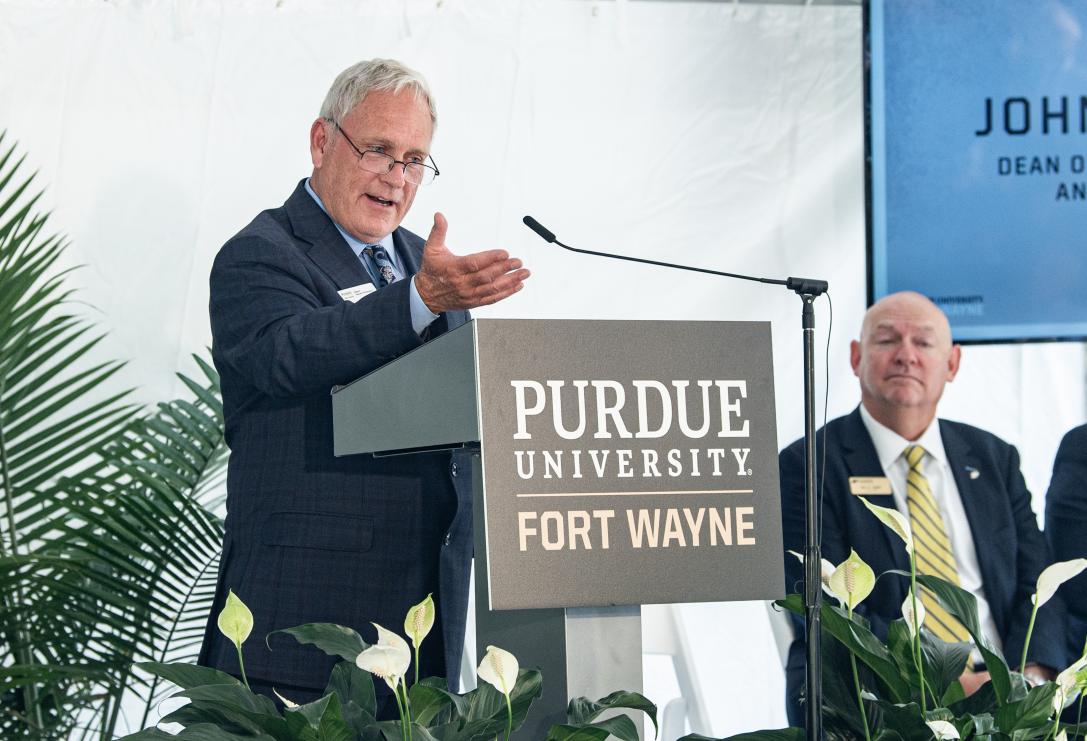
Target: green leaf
{"x":1033,"y":712}
{"x":780,"y":734}
{"x":353,"y":685}
{"x":324,"y":717}
{"x":858,"y":638}
{"x":334,"y":640}
{"x":186,"y":675}
{"x":964,"y":606}
{"x":199,"y":732}
{"x":905,"y":721}
{"x":582,"y":710}
{"x":942,"y":662}
{"x":430,"y":699}
{"x":619,"y":726}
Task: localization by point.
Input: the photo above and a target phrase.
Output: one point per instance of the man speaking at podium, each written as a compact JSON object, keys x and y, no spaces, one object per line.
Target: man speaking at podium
{"x":961,"y":488}
{"x":314,"y":293}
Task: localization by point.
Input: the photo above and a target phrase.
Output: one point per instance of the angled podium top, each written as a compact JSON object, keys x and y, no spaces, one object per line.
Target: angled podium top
{"x":427,"y":398}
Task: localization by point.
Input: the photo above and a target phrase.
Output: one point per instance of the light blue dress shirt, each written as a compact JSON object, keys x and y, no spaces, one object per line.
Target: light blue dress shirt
{"x":421,"y":316}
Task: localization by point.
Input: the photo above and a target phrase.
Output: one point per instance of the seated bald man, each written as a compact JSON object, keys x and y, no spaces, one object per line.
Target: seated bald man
{"x":960,"y":486}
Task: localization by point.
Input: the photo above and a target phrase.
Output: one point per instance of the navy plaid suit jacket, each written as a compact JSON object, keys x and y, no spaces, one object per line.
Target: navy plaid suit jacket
{"x":1010,"y":548}
{"x":311,"y":537}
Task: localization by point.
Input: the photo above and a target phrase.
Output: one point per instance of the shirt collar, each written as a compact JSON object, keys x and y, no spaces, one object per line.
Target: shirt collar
{"x":889,"y":444}
{"x":356,"y":245}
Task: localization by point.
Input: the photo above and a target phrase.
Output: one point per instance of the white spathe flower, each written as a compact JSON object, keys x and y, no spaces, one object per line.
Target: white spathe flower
{"x":388,"y":659}
{"x":853,"y":580}
{"x":907,"y":613}
{"x":893,"y":519}
{"x":826,"y":569}
{"x":1069,"y":684}
{"x":1053,"y":576}
{"x":941,"y":729}
{"x":499,"y":668}
{"x":289,"y":704}
{"x":419,"y":621}
{"x":236,"y":620}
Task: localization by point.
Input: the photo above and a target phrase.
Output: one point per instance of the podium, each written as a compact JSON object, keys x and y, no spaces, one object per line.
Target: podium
{"x":617,"y":463}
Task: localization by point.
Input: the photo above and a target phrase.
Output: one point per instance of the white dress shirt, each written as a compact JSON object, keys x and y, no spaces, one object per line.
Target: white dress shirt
{"x":889,"y":448}
{"x":421,"y":316}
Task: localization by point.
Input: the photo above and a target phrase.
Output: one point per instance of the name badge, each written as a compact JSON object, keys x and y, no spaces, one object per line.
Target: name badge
{"x":863,"y":485}
{"x":354,"y":293}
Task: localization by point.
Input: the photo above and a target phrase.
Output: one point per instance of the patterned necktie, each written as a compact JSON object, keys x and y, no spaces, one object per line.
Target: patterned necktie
{"x":931,"y":547}
{"x":380,"y":259}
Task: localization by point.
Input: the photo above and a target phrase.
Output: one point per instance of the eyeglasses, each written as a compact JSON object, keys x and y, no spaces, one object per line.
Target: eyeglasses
{"x":380,"y":163}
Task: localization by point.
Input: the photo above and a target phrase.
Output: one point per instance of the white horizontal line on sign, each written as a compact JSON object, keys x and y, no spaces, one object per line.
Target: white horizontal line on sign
{"x":637,"y":493}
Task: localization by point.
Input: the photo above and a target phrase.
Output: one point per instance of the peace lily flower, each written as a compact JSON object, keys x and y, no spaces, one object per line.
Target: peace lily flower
{"x":942,"y":730}
{"x":289,"y":704}
{"x":893,"y":519}
{"x":1049,"y":580}
{"x":389,"y":658}
{"x":417,"y":624}
{"x":236,"y":623}
{"x":1069,"y":683}
{"x":1053,"y":576}
{"x":852,"y":581}
{"x":500,"y":668}
{"x":913,"y":622}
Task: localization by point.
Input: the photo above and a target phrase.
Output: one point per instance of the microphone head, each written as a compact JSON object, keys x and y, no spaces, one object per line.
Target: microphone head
{"x":539,"y":228}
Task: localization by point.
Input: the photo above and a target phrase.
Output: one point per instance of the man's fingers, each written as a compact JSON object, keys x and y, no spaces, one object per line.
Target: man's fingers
{"x":437,"y":232}
{"x":482,"y":260}
{"x":496,"y":290}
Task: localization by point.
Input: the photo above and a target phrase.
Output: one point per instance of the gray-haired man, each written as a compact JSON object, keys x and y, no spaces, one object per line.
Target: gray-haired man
{"x":315,"y":293}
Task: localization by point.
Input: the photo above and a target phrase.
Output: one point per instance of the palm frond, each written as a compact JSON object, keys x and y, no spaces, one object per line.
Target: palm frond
{"x":109,"y":540}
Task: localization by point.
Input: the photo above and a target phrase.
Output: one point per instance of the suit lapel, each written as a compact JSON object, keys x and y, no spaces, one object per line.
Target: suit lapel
{"x":327,"y":247}
{"x":973,"y":493}
{"x":862,"y":460}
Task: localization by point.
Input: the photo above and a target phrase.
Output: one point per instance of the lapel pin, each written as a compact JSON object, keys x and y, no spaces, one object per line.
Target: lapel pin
{"x":972,"y":472}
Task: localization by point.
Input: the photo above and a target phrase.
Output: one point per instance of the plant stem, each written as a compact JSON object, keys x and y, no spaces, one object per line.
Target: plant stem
{"x":416,"y":666}
{"x":856,"y":686}
{"x":917,"y":630}
{"x":403,"y":714}
{"x":241,"y":665}
{"x":509,"y":717}
{"x":1030,"y":629}
{"x":1079,"y":713}
{"x":407,"y":707}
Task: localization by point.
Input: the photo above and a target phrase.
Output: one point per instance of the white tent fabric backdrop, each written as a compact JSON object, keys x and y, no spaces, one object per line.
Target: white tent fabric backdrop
{"x":726,"y":135}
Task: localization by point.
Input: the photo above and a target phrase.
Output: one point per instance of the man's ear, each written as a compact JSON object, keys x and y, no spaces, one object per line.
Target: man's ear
{"x":318,"y":141}
{"x":855,"y":357}
{"x":953,"y":361}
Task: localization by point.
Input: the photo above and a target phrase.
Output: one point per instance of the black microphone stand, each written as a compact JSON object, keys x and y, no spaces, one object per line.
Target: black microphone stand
{"x":808,"y":289}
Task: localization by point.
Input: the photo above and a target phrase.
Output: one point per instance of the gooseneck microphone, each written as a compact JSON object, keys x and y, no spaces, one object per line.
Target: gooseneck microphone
{"x":802,"y":286}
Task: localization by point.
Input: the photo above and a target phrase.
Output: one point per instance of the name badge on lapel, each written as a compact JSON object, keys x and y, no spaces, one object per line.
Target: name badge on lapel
{"x":864,"y":485}
{"x":354,"y":293}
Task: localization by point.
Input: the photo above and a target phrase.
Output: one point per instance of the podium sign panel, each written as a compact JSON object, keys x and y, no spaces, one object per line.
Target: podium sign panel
{"x":628,"y":462}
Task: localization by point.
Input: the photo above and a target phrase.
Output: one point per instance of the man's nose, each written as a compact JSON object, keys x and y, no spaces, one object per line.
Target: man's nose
{"x":906,"y":354}
{"x":395,"y":176}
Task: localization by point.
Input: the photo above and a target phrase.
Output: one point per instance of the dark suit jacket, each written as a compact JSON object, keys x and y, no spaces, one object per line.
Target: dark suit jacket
{"x":311,"y":537}
{"x":1066,"y":528}
{"x":1011,"y":550}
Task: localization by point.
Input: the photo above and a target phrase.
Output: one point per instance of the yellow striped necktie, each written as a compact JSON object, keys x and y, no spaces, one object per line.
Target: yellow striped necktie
{"x":931,"y":547}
